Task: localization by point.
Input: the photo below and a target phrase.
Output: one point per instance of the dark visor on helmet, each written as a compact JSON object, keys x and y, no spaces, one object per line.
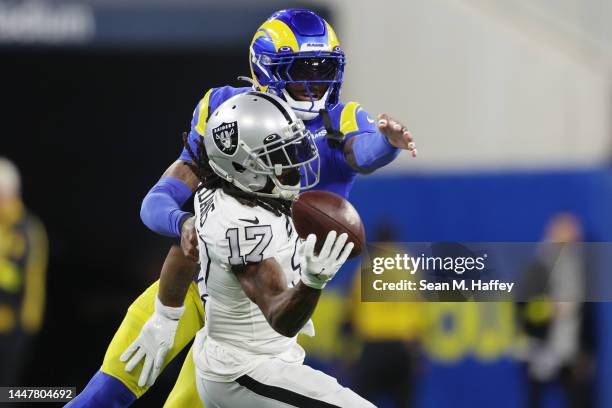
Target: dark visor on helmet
{"x":311,"y":69}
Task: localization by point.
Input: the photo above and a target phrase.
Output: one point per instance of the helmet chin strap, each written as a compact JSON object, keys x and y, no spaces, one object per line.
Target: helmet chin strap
{"x":286,"y":194}
{"x":305,"y":110}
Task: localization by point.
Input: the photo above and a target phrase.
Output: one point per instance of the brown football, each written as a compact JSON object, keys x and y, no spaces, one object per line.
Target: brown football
{"x":318,"y":212}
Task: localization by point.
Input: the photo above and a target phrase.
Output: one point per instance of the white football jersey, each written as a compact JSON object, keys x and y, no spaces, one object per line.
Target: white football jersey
{"x":236,"y":335}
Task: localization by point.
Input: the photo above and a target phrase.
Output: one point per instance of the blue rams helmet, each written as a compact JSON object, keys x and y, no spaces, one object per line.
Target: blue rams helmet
{"x":296,"y":46}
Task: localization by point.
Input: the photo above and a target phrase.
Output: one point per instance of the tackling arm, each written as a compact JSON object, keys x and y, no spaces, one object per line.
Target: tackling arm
{"x":161,"y":208}
{"x":370,"y":146}
{"x":176,"y":275}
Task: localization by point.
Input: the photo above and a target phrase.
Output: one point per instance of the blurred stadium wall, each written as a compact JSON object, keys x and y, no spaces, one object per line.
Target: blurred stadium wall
{"x":485,"y":84}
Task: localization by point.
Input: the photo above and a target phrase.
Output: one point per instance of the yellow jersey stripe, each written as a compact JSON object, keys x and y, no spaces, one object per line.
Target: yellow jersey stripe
{"x":348,"y":118}
{"x":203,"y":114}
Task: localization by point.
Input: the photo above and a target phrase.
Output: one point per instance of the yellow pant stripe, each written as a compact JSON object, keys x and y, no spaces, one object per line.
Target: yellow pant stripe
{"x":185,"y":393}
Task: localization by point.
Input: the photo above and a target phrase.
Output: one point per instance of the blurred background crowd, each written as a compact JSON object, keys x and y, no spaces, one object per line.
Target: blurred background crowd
{"x":509,"y":101}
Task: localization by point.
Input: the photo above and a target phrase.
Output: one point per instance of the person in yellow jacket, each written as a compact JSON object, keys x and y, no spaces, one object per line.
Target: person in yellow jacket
{"x":23,"y":264}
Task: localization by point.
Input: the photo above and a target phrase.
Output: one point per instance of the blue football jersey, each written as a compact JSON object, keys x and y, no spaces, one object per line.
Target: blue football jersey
{"x":336,"y":175}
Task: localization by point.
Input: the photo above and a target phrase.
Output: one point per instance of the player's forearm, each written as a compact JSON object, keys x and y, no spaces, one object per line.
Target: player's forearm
{"x":177,"y":274}
{"x":369,"y":151}
{"x":162,"y":214}
{"x":289,"y":311}
{"x":161,"y":208}
{"x":286,"y":309}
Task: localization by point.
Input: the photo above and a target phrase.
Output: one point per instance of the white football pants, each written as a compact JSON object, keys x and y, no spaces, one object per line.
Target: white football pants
{"x":276,"y":384}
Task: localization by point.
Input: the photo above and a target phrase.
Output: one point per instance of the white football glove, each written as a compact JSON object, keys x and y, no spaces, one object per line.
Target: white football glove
{"x":321,"y":268}
{"x":155,"y":340}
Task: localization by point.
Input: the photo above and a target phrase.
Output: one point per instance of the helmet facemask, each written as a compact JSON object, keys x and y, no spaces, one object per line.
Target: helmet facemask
{"x":290,"y":161}
{"x":311,"y":71}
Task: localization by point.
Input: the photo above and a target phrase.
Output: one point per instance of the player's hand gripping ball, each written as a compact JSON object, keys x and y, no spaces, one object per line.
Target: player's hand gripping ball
{"x":322,"y":267}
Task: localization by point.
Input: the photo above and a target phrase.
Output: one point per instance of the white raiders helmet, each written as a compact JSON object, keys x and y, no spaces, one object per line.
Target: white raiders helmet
{"x":255,"y":139}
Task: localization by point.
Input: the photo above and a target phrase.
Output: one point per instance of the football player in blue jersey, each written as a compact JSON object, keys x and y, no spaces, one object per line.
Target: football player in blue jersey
{"x":296,"y":55}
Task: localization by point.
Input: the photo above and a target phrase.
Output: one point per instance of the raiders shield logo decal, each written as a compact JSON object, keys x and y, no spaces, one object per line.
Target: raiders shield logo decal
{"x":226,"y":137}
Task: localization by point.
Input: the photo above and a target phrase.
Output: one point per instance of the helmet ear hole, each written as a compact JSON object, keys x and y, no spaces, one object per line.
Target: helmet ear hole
{"x":238,"y":167}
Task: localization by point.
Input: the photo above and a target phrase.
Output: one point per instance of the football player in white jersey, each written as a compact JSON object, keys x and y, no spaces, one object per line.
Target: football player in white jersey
{"x":259,"y":281}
